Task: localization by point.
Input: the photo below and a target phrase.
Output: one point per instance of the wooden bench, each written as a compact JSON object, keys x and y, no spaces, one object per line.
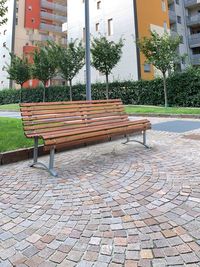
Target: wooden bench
{"x":61,"y":124}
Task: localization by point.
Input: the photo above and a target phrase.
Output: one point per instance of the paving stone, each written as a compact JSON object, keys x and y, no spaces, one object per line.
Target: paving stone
{"x":146,"y":254}
{"x":57,"y":257}
{"x":74,"y":255}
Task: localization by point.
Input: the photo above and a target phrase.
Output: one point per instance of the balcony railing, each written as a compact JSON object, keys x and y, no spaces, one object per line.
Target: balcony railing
{"x":194,"y":40}
{"x":53,"y":6}
{"x":40,"y":37}
{"x":50,"y":28}
{"x":193,"y":20}
{"x":50,"y":16}
{"x":192,"y":3}
{"x":195,"y":59}
{"x":172,"y":16}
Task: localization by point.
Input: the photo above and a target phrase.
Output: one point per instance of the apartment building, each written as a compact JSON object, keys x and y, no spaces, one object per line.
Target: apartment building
{"x":184,"y":18}
{"x":125,"y":19}
{"x":6,"y":45}
{"x":35,"y":21}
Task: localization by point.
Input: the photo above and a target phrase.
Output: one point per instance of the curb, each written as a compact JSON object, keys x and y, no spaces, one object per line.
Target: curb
{"x":182,"y":116}
{"x":27,"y":153}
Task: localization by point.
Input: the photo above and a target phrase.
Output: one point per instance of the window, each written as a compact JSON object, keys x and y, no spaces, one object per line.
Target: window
{"x":179,"y":19}
{"x":147,"y":68}
{"x":163,"y":6}
{"x":110,"y":27}
{"x":177,"y":2}
{"x":97,"y":27}
{"x":99,"y":5}
{"x":181,"y":39}
{"x":4,"y":44}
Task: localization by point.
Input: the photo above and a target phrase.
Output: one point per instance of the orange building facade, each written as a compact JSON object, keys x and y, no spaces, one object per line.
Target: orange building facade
{"x":151,"y":15}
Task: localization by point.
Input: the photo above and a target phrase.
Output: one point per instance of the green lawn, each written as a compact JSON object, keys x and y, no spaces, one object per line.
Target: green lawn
{"x":10,"y":107}
{"x":130,"y":109}
{"x":12,"y":136}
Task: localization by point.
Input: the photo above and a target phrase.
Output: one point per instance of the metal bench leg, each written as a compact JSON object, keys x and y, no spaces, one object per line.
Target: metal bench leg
{"x":137,"y":141}
{"x":35,"y":152}
{"x":51,"y":159}
{"x":51,"y":162}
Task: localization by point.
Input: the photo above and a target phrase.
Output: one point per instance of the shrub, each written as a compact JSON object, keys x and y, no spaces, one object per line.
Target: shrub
{"x":183,"y":90}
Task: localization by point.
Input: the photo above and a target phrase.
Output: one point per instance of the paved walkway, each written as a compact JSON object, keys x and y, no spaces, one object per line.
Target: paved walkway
{"x":10,"y":114}
{"x":113,"y":205}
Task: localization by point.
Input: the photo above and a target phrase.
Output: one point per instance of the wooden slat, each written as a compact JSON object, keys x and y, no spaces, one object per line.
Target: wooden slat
{"x":37,"y":115}
{"x":62,"y":106}
{"x":69,"y":102}
{"x":90,"y":131}
{"x":71,"y":126}
{"x":119,"y":130}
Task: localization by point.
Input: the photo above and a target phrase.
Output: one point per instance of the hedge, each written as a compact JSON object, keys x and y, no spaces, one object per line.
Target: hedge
{"x":183,"y":90}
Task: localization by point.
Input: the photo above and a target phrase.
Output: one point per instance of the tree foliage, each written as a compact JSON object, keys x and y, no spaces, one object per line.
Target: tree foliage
{"x":3,"y":12}
{"x":162,"y":52}
{"x":19,"y":69}
{"x":45,"y":63}
{"x":71,"y":60}
{"x":105,"y":56}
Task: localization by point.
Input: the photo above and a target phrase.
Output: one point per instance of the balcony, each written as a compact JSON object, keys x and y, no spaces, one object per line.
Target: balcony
{"x":172,"y":16}
{"x":50,"y":28}
{"x":53,"y":6}
{"x":194,"y":40}
{"x":53,"y":17}
{"x":40,"y":38}
{"x":193,"y":20}
{"x":192,"y":3}
{"x":195,"y":59}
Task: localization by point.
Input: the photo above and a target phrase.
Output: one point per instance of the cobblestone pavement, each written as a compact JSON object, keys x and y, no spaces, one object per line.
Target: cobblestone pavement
{"x":113,"y":205}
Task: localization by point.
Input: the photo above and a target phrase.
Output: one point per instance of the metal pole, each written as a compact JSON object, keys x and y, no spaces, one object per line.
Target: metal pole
{"x":87,"y":50}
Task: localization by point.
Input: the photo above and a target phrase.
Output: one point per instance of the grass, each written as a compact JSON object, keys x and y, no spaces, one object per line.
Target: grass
{"x":10,"y":107}
{"x":130,"y":109}
{"x":12,"y":136}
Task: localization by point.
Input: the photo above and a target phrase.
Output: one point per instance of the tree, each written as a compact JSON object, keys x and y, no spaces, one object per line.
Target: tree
{"x":19,"y":70}
{"x":71,"y":60}
{"x":3,"y":11}
{"x":45,"y":63}
{"x":162,"y":52}
{"x":105,"y":56}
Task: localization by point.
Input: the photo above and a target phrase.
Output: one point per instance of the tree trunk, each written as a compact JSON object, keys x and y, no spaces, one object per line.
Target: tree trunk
{"x":107,"y":87}
{"x":70,"y":89}
{"x":20,"y":93}
{"x":44,"y":90}
{"x":44,"y":94}
{"x":165,"y":89}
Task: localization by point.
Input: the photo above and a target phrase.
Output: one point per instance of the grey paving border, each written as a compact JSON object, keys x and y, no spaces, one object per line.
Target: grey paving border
{"x":182,"y":116}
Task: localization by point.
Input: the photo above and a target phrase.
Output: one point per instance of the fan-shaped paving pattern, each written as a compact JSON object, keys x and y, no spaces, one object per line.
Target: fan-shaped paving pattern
{"x":113,"y":205}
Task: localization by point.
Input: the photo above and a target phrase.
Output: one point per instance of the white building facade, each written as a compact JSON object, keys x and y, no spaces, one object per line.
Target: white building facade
{"x":113,"y":19}
{"x":6,"y":44}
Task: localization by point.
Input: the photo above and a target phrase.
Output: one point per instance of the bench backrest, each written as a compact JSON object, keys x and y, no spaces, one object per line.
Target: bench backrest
{"x":39,"y":118}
